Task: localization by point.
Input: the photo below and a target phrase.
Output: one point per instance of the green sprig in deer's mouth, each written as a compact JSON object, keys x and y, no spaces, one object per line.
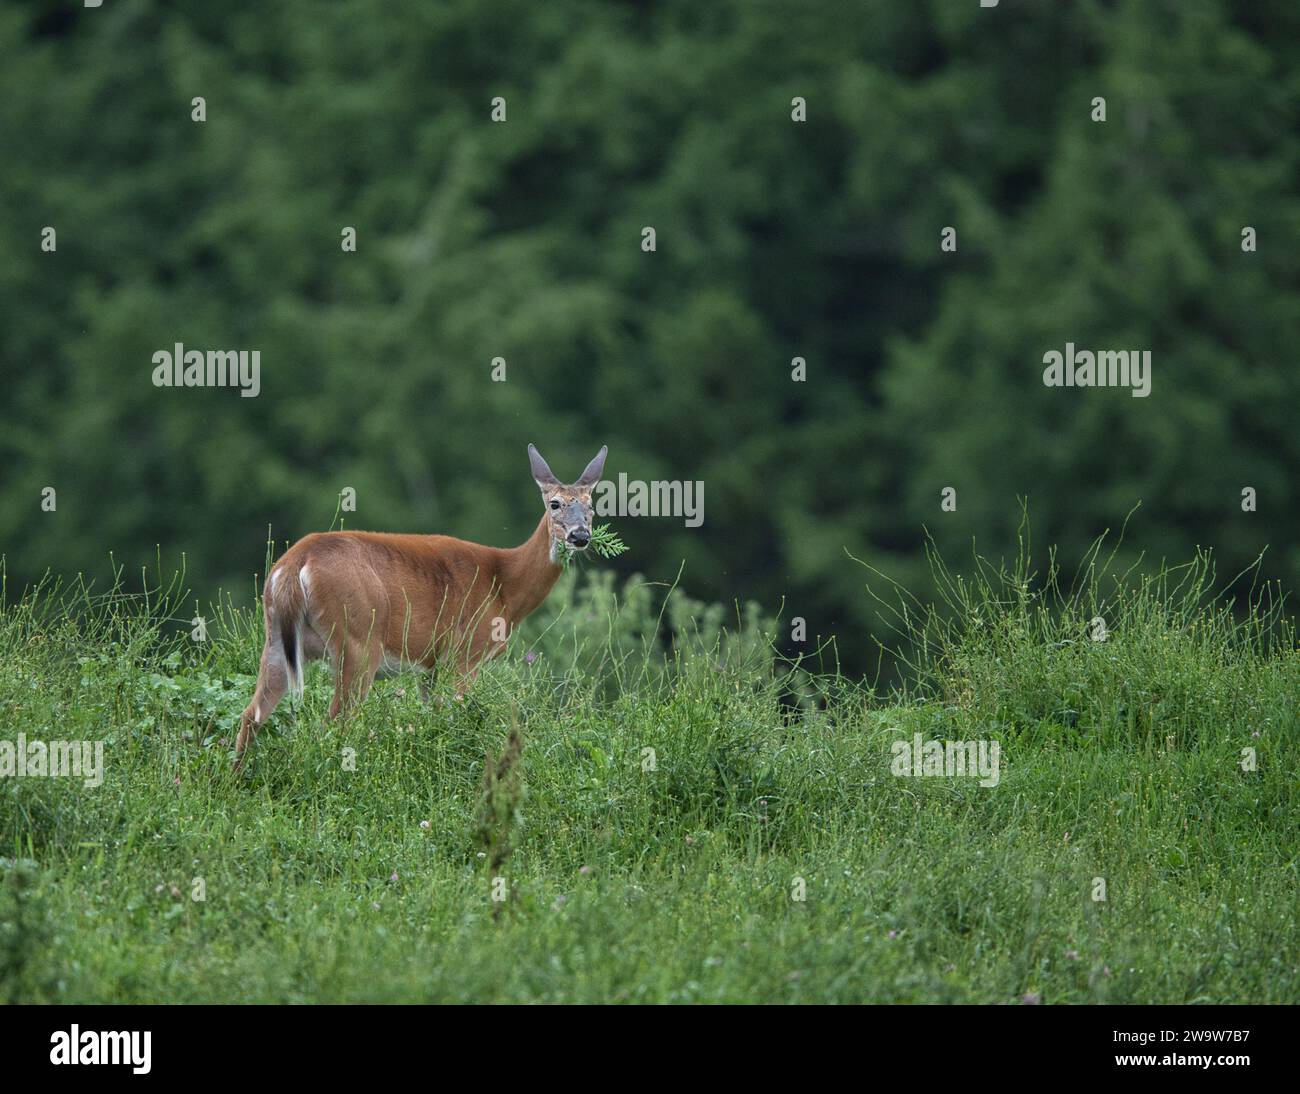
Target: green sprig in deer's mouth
{"x":604,"y":542}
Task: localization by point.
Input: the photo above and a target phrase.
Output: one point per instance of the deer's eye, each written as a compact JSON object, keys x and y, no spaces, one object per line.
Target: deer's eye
{"x":554,"y":504}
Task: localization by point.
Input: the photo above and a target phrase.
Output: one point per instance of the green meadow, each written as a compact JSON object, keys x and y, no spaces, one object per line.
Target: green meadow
{"x":642,"y":802}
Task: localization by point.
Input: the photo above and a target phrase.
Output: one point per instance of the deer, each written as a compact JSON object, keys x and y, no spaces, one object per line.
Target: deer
{"x":375,"y":603}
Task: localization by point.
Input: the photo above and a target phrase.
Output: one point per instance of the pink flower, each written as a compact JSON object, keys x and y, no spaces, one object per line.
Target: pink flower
{"x":530,"y":657}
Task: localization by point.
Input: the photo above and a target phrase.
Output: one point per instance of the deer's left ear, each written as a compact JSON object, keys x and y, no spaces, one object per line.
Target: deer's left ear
{"x":541,"y":470}
{"x":592,"y":475}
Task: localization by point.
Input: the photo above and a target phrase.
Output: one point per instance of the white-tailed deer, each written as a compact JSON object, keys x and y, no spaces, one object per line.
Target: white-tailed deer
{"x":371,"y":601}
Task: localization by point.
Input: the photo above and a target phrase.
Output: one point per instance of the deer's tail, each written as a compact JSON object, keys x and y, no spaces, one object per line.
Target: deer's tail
{"x":285,"y":601}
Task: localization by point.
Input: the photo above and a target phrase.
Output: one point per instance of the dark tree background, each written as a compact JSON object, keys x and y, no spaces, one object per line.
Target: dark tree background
{"x":776,"y":239}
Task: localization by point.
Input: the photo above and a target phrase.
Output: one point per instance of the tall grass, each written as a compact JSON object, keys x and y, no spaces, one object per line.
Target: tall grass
{"x":657,"y":786}
{"x":1103,"y":658}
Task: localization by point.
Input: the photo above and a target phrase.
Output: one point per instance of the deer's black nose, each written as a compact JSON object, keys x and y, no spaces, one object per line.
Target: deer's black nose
{"x":579,"y":538}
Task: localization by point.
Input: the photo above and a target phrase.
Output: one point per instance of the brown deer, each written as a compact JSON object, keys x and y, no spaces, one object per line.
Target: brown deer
{"x":373,"y":602}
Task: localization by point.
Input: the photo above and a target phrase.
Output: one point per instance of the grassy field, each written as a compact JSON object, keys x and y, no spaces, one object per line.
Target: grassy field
{"x":673,"y":875}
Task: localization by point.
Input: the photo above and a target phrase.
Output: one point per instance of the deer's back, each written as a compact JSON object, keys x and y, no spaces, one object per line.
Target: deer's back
{"x":403,"y":586}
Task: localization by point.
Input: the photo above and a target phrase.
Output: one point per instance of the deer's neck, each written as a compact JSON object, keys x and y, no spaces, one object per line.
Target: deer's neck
{"x":528,"y":572}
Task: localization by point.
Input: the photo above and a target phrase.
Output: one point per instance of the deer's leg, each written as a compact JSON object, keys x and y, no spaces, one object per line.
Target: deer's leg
{"x":272,"y":683}
{"x":355,"y":669}
{"x":478,"y":654}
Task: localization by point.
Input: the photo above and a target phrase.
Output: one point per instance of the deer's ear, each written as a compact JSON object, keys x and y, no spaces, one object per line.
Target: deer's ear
{"x":592,"y":475}
{"x":541,"y":471}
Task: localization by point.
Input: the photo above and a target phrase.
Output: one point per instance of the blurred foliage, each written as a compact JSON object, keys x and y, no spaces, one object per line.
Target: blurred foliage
{"x":522,"y":240}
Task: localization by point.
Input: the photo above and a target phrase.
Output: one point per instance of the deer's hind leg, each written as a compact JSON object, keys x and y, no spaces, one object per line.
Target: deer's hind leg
{"x":272,"y":683}
{"x":356,"y":664}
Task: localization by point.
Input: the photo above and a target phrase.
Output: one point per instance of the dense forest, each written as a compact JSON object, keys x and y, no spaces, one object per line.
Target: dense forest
{"x":871,"y":223}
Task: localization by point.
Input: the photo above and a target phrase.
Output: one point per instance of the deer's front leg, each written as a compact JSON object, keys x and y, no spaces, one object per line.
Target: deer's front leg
{"x":480,"y":650}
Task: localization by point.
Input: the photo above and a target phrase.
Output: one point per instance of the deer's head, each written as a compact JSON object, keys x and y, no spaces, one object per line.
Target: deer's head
{"x":568,"y":507}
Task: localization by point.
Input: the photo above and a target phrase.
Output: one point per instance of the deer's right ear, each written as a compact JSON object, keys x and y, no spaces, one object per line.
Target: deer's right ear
{"x":541,"y":472}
